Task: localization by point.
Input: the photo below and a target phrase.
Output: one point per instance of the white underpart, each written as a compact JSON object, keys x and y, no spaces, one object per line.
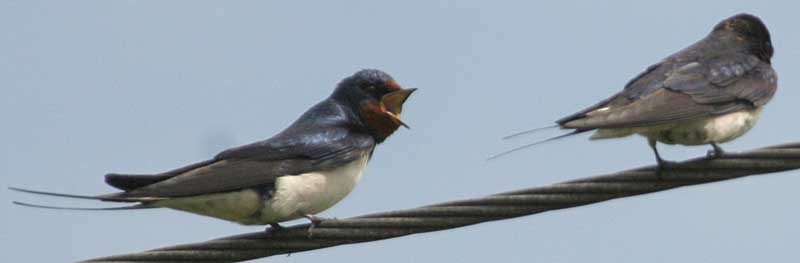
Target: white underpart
{"x":311,"y":193}
{"x":728,"y":127}
{"x":294,"y":196}
{"x":717,"y":129}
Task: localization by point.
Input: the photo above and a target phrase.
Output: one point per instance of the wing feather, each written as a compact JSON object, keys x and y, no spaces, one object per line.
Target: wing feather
{"x":321,"y":139}
{"x":691,"y":91}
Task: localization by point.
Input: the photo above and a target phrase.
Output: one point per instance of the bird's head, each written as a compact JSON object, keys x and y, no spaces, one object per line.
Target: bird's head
{"x":376,"y":98}
{"x":749,"y":28}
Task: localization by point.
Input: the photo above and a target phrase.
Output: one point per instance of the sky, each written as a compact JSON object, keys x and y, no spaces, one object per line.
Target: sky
{"x":91,"y":87}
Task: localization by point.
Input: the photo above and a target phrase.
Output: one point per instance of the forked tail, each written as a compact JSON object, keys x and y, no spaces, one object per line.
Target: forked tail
{"x":517,"y":134}
{"x":131,"y":207}
{"x":55,"y":194}
{"x":575,"y":132}
{"x":142,"y":205}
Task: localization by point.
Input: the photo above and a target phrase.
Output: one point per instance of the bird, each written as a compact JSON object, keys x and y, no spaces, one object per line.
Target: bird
{"x":299,"y":172}
{"x":710,"y":92}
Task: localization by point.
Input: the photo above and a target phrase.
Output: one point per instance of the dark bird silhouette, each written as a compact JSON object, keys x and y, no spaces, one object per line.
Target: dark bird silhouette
{"x":708,"y":93}
{"x":301,"y":171}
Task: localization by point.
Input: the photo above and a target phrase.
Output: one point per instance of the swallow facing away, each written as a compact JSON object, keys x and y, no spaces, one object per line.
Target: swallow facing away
{"x":708,"y":93}
{"x":301,"y":171}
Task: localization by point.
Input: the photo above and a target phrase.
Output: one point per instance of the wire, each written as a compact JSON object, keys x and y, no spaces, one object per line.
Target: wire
{"x":460,"y":213}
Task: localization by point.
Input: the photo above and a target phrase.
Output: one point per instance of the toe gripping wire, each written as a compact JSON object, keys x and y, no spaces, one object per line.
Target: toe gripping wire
{"x":461,"y":213}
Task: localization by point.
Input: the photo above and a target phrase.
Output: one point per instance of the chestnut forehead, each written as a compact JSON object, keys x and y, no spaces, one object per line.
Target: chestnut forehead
{"x":392,"y":85}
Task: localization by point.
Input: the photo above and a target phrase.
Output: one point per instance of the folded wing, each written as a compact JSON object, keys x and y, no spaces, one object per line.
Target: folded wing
{"x":310,"y":144}
{"x":693,"y":90}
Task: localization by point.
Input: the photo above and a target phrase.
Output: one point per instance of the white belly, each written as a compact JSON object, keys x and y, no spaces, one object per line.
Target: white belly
{"x":717,"y":129}
{"x":293,"y":197}
{"x":311,"y":193}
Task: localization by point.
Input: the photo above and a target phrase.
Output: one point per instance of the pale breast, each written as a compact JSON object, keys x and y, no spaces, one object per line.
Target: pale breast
{"x":292,"y":197}
{"x":311,"y":193}
{"x":717,"y":129}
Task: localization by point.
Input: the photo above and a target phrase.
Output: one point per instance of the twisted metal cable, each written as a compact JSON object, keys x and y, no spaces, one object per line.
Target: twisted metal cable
{"x":472,"y":211}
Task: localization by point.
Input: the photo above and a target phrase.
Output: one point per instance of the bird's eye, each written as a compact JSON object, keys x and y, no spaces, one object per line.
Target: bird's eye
{"x":372,"y":90}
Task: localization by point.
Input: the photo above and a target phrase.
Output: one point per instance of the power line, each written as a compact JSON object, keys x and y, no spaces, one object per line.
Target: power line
{"x":460,"y":213}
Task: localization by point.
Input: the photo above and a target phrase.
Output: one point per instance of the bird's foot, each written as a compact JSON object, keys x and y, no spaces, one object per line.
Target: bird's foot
{"x":663,"y":166}
{"x":315,"y":221}
{"x":715,"y":153}
{"x":273,"y":228}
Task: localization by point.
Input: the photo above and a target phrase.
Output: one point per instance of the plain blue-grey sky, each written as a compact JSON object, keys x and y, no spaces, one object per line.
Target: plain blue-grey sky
{"x":90,"y":87}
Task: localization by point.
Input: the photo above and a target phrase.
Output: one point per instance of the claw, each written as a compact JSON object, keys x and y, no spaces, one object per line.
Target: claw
{"x":716,"y":152}
{"x":273,"y":228}
{"x":663,"y":165}
{"x":315,"y":221}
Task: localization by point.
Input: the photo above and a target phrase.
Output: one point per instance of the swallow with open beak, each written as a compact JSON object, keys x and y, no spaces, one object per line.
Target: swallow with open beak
{"x":301,"y":171}
{"x":708,"y":93}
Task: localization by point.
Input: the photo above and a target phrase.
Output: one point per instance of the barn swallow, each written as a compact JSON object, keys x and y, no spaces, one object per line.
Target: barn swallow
{"x":708,"y":93}
{"x":301,"y":171}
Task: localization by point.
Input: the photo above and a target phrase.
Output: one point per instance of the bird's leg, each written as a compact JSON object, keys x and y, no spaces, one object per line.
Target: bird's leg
{"x":652,"y":144}
{"x":273,"y":227}
{"x":661,"y":162}
{"x":716,"y":152}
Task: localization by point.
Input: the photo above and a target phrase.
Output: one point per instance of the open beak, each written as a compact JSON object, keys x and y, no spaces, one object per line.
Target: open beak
{"x":393,"y":102}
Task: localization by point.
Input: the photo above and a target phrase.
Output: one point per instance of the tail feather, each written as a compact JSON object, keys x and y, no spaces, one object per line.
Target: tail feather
{"x":55,"y":194}
{"x":114,"y":197}
{"x":137,"y":206}
{"x":575,"y":132}
{"x":128,"y":182}
{"x":517,"y":134}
